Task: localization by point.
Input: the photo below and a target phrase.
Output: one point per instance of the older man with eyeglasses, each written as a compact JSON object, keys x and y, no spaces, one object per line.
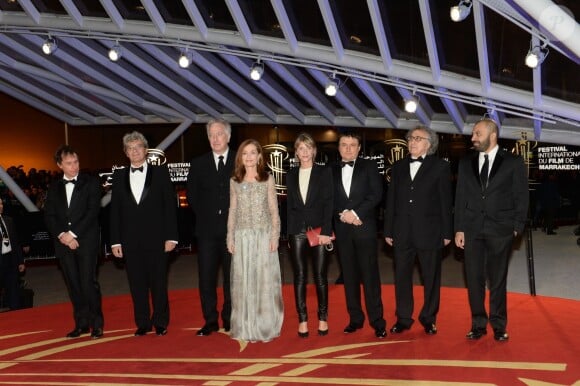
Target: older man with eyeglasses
{"x":418,"y":224}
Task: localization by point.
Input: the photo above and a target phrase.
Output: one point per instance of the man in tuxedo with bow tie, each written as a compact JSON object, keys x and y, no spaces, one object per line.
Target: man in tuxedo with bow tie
{"x":208,"y":195}
{"x":418,"y":224}
{"x":143,"y":231}
{"x":357,"y":193}
{"x":491,"y":206}
{"x":71,"y":213}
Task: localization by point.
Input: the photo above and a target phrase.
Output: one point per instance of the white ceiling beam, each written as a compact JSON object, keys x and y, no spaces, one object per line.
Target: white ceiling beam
{"x":285,"y":24}
{"x":306,"y":89}
{"x":331,"y":28}
{"x":73,"y":12}
{"x":166,"y":85}
{"x":380,"y":34}
{"x":481,"y":42}
{"x":30,"y":10}
{"x":205,"y":84}
{"x":430,"y":39}
{"x":196,"y":17}
{"x":154,"y":15}
{"x":380,"y":100}
{"x":34,"y":102}
{"x":344,"y":96}
{"x":240,"y":21}
{"x":234,"y":82}
{"x":113,"y":13}
{"x":454,"y":112}
{"x":269,"y":87}
{"x":30,"y":86}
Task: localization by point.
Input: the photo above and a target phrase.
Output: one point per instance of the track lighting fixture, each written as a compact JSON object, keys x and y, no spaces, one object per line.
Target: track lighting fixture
{"x":536,"y":55}
{"x":115,"y":52}
{"x":49,"y":46}
{"x":331,"y":87}
{"x":460,"y":11}
{"x":412,"y":103}
{"x":184,"y":59}
{"x":257,"y":70}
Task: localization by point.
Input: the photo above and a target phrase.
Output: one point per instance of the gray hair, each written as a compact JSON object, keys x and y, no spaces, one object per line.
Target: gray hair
{"x":432,"y":137}
{"x":223,"y":122}
{"x":132,"y":137}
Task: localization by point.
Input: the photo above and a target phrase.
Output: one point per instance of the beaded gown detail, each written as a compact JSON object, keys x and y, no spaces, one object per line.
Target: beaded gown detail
{"x":255,"y":278}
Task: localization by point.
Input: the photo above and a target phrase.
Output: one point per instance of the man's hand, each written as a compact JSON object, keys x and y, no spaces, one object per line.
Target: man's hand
{"x":73,"y":244}
{"x":389,"y":240}
{"x":460,"y":240}
{"x":117,"y":251}
{"x":169,"y":246}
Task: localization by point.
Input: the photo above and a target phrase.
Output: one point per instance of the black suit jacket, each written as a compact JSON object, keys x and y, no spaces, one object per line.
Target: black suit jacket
{"x":366,"y":193}
{"x":208,"y":194}
{"x":317,"y":210}
{"x":149,"y":222}
{"x":419,"y":211}
{"x":502,"y":207}
{"x":81,"y":217}
{"x":16,"y":255}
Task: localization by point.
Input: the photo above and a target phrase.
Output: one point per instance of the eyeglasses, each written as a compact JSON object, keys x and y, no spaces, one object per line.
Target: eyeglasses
{"x":416,"y":139}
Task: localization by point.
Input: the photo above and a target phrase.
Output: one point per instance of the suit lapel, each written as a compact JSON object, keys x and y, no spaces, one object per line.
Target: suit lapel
{"x":75,"y":192}
{"x":475,"y":168}
{"x":147,"y":185}
{"x":495,"y":167}
{"x":311,"y":186}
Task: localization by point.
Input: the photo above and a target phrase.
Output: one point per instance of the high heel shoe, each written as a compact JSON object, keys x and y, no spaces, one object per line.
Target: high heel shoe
{"x":303,"y":334}
{"x":323,"y":332}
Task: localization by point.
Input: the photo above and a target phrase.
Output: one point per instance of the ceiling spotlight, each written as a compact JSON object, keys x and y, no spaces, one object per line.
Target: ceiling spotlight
{"x":536,"y":55}
{"x":331,"y":85}
{"x":115,"y":52}
{"x":460,"y":11}
{"x":184,"y":59}
{"x":257,"y":70}
{"x":412,"y":103}
{"x":49,"y":46}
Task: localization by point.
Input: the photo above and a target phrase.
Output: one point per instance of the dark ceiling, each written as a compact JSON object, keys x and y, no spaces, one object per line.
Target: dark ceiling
{"x":380,"y":52}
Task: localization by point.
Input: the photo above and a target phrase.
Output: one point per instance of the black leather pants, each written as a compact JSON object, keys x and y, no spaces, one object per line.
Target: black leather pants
{"x":299,"y":252}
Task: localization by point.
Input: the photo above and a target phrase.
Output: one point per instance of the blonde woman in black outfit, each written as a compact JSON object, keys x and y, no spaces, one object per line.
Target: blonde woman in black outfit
{"x":310,"y":201}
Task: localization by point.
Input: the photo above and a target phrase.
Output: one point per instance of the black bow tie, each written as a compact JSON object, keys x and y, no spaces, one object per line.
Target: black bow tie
{"x":140,"y":168}
{"x":420,"y":159}
{"x":69,"y":181}
{"x":349,"y":163}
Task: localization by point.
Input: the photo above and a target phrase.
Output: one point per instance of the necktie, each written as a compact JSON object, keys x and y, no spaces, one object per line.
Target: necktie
{"x":140,"y":168}
{"x":420,"y":159}
{"x":349,"y":163}
{"x":65,"y":181}
{"x":5,"y":238}
{"x":221,"y":164}
{"x":484,"y":172}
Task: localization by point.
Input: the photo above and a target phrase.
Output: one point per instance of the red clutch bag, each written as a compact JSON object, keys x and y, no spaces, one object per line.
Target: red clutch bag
{"x":312,"y":235}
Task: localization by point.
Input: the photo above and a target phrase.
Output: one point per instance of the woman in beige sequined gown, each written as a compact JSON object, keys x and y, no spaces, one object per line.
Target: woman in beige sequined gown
{"x":253,"y":233}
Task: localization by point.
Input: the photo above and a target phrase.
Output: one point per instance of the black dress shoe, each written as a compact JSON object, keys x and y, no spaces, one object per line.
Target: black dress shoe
{"x":380,"y":333}
{"x":430,"y":329}
{"x":476,"y":333}
{"x":97,"y":333}
{"x":207,"y":330}
{"x":398,"y":328}
{"x":77,"y":332}
{"x":351,"y":328}
{"x":500,"y":335}
{"x":160,"y":331}
{"x":142,"y":331}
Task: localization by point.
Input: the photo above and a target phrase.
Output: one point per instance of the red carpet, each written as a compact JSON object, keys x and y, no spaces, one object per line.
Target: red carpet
{"x":544,"y":348}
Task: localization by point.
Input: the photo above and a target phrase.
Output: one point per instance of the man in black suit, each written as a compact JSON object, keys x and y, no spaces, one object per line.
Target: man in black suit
{"x":208,"y":194}
{"x":11,"y":261}
{"x":357,"y":193}
{"x":143,"y":220}
{"x":71,"y":213}
{"x":418,"y":223}
{"x":491,"y":207}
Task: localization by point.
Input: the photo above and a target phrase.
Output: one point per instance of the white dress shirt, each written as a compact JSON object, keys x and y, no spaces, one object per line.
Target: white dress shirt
{"x":490,"y":156}
{"x":347,"y":178}
{"x":137,"y":181}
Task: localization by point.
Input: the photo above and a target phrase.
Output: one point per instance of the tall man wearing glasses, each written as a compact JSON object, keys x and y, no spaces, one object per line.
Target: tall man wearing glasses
{"x":144,"y":231}
{"x":418,"y":224}
{"x":491,"y":206}
{"x":358,"y":190}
